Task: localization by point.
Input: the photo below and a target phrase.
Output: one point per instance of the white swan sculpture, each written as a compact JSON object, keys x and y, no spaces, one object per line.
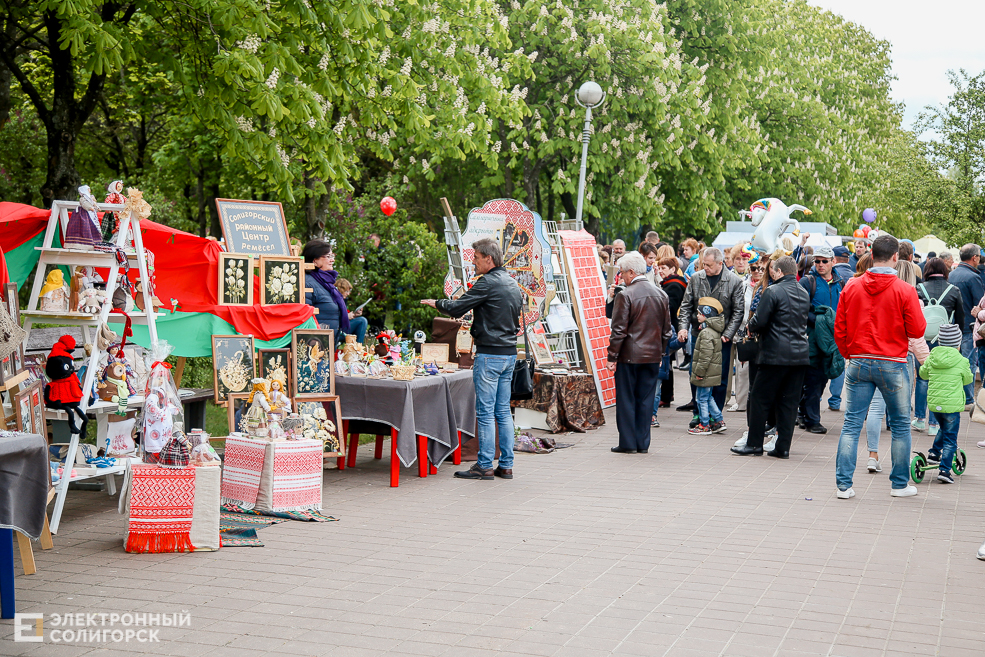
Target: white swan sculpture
{"x":771,"y":217}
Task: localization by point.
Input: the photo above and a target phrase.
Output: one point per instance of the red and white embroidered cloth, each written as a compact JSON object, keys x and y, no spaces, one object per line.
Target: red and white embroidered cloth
{"x":161,"y":502}
{"x":589,"y":299}
{"x":295,"y":476}
{"x":241,"y":471}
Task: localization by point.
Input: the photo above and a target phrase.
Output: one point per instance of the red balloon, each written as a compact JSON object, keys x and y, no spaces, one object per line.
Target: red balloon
{"x":865,"y":230}
{"x":388,"y":205}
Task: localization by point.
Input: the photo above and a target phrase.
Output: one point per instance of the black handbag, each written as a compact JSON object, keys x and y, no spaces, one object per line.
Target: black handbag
{"x":523,"y":371}
{"x":747,"y":350}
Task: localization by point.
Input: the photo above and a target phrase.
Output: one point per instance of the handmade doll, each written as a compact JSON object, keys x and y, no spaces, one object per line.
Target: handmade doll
{"x":82,"y":232}
{"x":76,"y":289}
{"x":202,"y":453}
{"x":114,"y":195}
{"x":293,"y":427}
{"x":279,"y":401}
{"x":114,"y":386}
{"x":256,"y":415}
{"x":64,"y":392}
{"x":115,"y":354}
{"x":159,"y":412}
{"x":54,"y":292}
{"x":138,"y":298}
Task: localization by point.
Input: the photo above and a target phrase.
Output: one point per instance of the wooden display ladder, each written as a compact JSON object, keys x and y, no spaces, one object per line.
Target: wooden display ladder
{"x":53,"y":256}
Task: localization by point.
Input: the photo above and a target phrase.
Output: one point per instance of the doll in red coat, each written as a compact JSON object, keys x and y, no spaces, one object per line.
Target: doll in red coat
{"x":64,"y":392}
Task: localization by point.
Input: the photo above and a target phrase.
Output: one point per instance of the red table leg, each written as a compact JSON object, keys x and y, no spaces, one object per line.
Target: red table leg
{"x":431,"y":469}
{"x":394,"y":460}
{"x":456,"y":456}
{"x":422,"y":456}
{"x":345,"y":432}
{"x":353,"y":447}
{"x":379,"y":448}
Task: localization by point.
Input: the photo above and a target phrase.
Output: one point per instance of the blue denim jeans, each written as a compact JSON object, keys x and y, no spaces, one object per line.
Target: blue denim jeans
{"x":656,"y":397}
{"x":862,"y":377}
{"x":968,"y":351}
{"x":946,"y":441}
{"x":493,"y":377}
{"x":835,"y":388}
{"x":357,"y":327}
{"x":874,"y":421}
{"x":708,"y":410}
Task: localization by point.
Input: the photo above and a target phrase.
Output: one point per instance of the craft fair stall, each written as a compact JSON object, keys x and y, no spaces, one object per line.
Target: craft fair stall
{"x":566,"y":328}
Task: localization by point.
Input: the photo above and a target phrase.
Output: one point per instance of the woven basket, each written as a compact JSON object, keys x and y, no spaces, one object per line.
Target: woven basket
{"x":402,"y":372}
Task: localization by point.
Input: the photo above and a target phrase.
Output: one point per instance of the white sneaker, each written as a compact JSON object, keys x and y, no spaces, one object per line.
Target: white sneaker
{"x":846,"y":494}
{"x":981,"y":443}
{"x":732,"y":408}
{"x":909,"y":491}
{"x":918,"y":425}
{"x":770,"y":446}
{"x":981,"y":552}
{"x":874,"y":465}
{"x":932,"y":430}
{"x":741,"y":442}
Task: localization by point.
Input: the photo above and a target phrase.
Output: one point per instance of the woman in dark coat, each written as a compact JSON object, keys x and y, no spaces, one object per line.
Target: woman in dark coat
{"x":674,"y":286}
{"x":332,"y":312}
{"x":935,"y":272}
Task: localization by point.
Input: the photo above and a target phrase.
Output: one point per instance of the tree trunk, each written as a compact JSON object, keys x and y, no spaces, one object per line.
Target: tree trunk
{"x":5,"y":102}
{"x":550,"y":205}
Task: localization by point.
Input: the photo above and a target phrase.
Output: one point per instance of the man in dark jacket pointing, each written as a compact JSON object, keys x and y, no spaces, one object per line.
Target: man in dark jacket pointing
{"x":496,"y":302}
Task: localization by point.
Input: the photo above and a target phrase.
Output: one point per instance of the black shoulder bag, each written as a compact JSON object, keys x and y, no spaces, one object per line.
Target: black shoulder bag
{"x":523,"y":371}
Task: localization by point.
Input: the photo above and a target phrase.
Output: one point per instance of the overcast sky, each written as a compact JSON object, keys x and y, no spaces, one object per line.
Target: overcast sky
{"x":928,"y":39}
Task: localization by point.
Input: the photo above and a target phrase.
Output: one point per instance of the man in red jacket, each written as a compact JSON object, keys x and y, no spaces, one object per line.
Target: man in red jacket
{"x":884,"y":313}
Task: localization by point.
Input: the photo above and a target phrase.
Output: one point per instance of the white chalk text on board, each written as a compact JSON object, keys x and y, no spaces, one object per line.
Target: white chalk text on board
{"x":253,"y":227}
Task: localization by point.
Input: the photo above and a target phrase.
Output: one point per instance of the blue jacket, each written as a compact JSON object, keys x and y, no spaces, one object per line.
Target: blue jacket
{"x":845,"y":271}
{"x":329,"y":314}
{"x":966,"y":279}
{"x":826,"y":294}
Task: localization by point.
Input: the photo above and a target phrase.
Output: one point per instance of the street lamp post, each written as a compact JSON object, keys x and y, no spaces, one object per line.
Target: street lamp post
{"x":589,"y":95}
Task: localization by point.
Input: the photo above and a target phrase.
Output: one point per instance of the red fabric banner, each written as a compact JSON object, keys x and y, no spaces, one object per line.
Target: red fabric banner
{"x":19,"y":223}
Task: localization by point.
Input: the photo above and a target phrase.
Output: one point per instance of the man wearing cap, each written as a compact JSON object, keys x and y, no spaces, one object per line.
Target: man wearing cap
{"x":824,"y":287}
{"x":861,"y":248}
{"x":842,"y":256}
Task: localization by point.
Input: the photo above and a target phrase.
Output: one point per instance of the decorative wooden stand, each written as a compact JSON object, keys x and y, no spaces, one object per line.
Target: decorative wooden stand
{"x":54,"y":256}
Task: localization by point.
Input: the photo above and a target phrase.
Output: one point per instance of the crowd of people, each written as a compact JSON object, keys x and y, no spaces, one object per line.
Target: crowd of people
{"x":893,"y":336}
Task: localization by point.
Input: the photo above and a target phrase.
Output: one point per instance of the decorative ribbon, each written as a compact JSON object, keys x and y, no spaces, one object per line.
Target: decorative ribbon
{"x":127,"y":331}
{"x":161,"y":363}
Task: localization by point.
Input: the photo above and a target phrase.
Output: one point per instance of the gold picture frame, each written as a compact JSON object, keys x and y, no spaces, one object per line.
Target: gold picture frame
{"x":233,"y":365}
{"x":235,"y":279}
{"x":232,"y":406}
{"x":313,"y":369}
{"x":307,"y":407}
{"x":281,"y":280}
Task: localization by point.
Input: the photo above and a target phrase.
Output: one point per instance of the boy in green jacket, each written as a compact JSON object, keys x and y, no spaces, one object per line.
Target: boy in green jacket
{"x":948,"y":371}
{"x":706,"y":366}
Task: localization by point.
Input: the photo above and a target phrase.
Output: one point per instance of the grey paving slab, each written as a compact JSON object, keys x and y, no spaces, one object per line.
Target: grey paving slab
{"x":687,"y":551}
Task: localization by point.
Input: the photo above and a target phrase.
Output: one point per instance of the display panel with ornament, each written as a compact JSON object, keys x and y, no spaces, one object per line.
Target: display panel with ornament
{"x":526,"y":251}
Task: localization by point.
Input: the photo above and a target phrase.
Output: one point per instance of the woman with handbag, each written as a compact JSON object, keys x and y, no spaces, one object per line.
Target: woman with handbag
{"x":755,"y":268}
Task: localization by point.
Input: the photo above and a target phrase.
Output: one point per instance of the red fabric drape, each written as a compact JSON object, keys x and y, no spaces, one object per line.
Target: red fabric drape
{"x":187,"y":269}
{"x":19,"y":223}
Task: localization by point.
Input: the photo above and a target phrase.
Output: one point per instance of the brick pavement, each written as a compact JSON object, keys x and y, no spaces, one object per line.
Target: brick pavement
{"x":685,"y":551}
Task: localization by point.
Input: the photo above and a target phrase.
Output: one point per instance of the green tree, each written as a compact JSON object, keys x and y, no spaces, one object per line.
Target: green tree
{"x":957,"y":145}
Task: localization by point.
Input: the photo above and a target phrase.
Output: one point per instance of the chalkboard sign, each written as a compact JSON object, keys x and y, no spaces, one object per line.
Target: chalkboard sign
{"x":253,"y":227}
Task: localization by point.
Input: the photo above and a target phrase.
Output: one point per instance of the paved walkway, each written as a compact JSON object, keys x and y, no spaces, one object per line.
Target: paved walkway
{"x":684,"y":551}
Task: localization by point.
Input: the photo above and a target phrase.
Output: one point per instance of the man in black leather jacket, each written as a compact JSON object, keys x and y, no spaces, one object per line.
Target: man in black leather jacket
{"x":781,"y":323}
{"x":496,"y":302}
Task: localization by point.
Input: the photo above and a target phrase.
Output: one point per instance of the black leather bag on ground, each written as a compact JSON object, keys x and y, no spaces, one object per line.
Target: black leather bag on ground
{"x":523,"y":371}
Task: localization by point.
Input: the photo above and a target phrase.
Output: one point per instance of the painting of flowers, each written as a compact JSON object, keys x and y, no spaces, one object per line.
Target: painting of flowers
{"x":313,"y":366}
{"x":282,"y":280}
{"x":235,"y":279}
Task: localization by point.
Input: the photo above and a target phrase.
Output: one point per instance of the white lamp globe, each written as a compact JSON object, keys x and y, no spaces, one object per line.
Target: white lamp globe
{"x":590,"y":94}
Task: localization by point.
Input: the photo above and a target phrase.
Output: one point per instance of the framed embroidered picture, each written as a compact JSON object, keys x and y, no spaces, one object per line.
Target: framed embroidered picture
{"x":29,"y":409}
{"x":276,"y":364}
{"x":313,"y":362}
{"x":321,"y":416}
{"x":235,"y":279}
{"x":434,"y":352}
{"x":232,"y":365}
{"x":16,"y":364}
{"x":235,"y":408}
{"x":281,"y":280}
{"x":541,"y":351}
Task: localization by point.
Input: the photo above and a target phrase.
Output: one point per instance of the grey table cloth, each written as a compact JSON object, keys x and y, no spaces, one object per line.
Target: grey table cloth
{"x":437,"y":407}
{"x":24,"y":479}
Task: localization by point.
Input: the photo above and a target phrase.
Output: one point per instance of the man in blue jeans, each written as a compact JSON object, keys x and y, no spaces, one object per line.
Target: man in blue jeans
{"x":876,"y":316}
{"x":496,"y":302}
